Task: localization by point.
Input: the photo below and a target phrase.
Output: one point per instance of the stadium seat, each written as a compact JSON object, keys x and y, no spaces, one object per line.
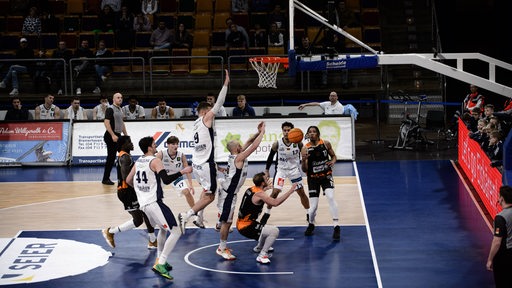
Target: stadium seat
{"x":222,"y":6}
{"x":71,"y":23}
{"x":180,"y":65}
{"x":14,"y":23}
{"x":204,"y":6}
{"x":49,"y":40}
{"x":350,"y":46}
{"x":186,"y":7}
{"x":218,"y":38}
{"x":74,"y":7}
{"x":199,"y":66}
{"x":159,"y":66}
{"x":219,"y":21}
{"x":139,"y":55}
{"x":142,"y":39}
{"x":237,"y":63}
{"x":121,"y":66}
{"x":201,"y":39}
{"x":203,"y":21}
{"x":168,"y":6}
{"x":216,"y":64}
{"x":70,"y":38}
{"x":89,"y":23}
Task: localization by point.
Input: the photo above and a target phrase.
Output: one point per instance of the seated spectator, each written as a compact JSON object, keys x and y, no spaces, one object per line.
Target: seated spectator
{"x":103,"y":67}
{"x":17,"y":112}
{"x":115,"y":5}
{"x":345,"y":17}
{"x":259,"y":36}
{"x":42,"y":73}
{"x":32,"y":23}
{"x":133,"y":111}
{"x":275,"y":37}
{"x":239,"y":6}
{"x":495,"y":149}
{"x":162,"y":111}
{"x":98,"y":112}
{"x":333,"y":106}
{"x":161,"y":38}
{"x":182,"y":39}
{"x":472,"y":121}
{"x":141,"y":23}
{"x":22,"y":67}
{"x":243,"y":109}
{"x":236,"y":38}
{"x":278,"y":16}
{"x":106,"y":20}
{"x":488,"y":111}
{"x":210,"y":99}
{"x":75,"y":111}
{"x":47,"y":110}
{"x":149,"y":8}
{"x":82,"y":66}
{"x":59,"y":68}
{"x":480,"y":135}
{"x":124,"y":29}
{"x":229,"y":29}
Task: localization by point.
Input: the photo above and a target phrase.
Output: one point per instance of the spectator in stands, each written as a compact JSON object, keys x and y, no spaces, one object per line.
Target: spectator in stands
{"x":259,"y":36}
{"x":24,"y":52}
{"x":133,"y":111}
{"x":480,"y":135}
{"x":333,"y":106}
{"x":278,"y":16}
{"x":275,"y":37}
{"x":82,"y":66}
{"x":182,"y":38}
{"x":98,"y":112}
{"x":42,"y":73}
{"x":141,"y":23}
{"x":149,"y":7}
{"x":60,"y":67}
{"x":161,"y":38}
{"x":239,"y":28}
{"x":306,"y":49}
{"x":49,"y":23}
{"x":115,"y":5}
{"x":495,"y":148}
{"x":17,"y":112}
{"x":238,"y":6}
{"x":488,"y":111}
{"x":210,"y":99}
{"x":106,"y":20}
{"x":243,"y":109}
{"x":472,"y":121}
{"x":473,"y":100}
{"x":47,"y":110}
{"x":344,"y":17}
{"x":236,"y":38}
{"x":103,"y":67}
{"x":162,"y":111}
{"x":75,"y":111}
{"x":124,"y":29}
{"x":32,"y":23}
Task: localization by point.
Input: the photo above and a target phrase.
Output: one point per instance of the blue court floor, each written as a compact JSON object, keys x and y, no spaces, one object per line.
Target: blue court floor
{"x":423,"y":230}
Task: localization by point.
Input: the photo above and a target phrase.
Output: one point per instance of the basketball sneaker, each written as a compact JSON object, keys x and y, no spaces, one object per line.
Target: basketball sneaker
{"x":168,"y":266}
{"x":152,"y":245}
{"x":336,"y":233}
{"x":263,"y":259}
{"x":109,"y":237}
{"x":226,"y":254}
{"x":199,"y":222}
{"x":310,"y":229}
{"x":257,"y":249}
{"x":160,"y":270}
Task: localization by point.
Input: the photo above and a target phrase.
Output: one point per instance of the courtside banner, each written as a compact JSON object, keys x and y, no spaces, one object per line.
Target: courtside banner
{"x":88,"y":147}
{"x":476,"y":165}
{"x":34,"y":142}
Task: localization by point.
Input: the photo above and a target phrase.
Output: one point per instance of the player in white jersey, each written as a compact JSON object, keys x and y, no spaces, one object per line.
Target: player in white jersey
{"x":133,"y":111}
{"x":235,"y":177}
{"x":146,"y":177}
{"x":162,"y":111}
{"x":75,"y":111}
{"x":203,"y":160}
{"x":174,"y":161}
{"x":287,"y":166}
{"x":47,"y":110}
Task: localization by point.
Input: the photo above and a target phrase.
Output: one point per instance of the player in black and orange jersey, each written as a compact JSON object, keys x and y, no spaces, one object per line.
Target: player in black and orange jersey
{"x":318,"y":158}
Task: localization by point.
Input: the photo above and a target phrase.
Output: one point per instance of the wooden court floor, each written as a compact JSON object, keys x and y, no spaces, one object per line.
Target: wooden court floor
{"x":404,"y":224}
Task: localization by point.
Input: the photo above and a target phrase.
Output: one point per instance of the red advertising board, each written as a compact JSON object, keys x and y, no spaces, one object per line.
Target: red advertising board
{"x":30,"y":131}
{"x":476,"y":165}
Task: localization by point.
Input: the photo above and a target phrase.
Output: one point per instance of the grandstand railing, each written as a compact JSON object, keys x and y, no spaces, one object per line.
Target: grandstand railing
{"x":10,"y":62}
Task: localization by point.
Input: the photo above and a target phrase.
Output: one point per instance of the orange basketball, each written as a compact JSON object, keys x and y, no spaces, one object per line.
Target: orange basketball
{"x":295,"y":135}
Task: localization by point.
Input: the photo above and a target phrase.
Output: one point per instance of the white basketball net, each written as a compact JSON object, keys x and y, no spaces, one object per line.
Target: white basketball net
{"x":267,"y":73}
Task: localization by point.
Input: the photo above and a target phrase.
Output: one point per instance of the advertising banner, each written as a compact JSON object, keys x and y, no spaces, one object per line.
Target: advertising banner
{"x":476,"y":164}
{"x":88,"y":147}
{"x":44,"y":142}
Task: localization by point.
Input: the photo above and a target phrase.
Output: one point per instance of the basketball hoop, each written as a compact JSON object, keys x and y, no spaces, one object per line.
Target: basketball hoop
{"x":267,"y":68}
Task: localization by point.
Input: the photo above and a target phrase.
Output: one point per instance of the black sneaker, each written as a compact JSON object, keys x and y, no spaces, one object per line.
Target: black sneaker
{"x":336,"y":233}
{"x":309,"y":230}
{"x":107,"y":182}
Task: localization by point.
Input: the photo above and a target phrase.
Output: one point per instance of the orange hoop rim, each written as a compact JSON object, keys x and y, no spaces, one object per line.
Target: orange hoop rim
{"x":267,"y":60}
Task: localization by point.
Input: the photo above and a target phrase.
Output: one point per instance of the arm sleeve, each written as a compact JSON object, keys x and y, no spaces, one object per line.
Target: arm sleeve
{"x":167,"y":179}
{"x":270,"y":159}
{"x":220,"y":99}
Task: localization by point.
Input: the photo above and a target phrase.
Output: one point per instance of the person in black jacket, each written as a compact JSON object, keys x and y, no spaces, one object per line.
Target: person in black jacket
{"x":60,"y":67}
{"x":103,"y":67}
{"x":24,"y":52}
{"x":81,"y":52}
{"x":17,"y":112}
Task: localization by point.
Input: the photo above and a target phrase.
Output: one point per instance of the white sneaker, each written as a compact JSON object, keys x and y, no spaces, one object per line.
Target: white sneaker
{"x":226,"y":254}
{"x":263,"y":259}
{"x":59,"y":92}
{"x":78,"y":91}
{"x":14,"y":92}
{"x":199,"y":222}
{"x":104,"y":78}
{"x":2,"y":85}
{"x":96,"y":90}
